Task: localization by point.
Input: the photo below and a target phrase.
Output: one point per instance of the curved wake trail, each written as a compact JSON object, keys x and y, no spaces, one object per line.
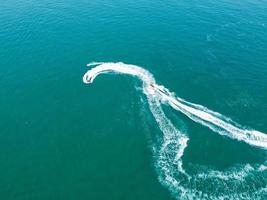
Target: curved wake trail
{"x":169,"y":163}
{"x":195,"y":112}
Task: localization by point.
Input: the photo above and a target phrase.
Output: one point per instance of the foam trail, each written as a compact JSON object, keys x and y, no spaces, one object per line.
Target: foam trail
{"x":227,"y":184}
{"x":198,"y":113}
{"x":207,"y":118}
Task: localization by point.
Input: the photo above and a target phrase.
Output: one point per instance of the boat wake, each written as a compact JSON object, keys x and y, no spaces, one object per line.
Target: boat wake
{"x":238,"y":182}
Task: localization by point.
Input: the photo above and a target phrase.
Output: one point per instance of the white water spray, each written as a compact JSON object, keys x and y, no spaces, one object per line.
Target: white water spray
{"x":174,"y":141}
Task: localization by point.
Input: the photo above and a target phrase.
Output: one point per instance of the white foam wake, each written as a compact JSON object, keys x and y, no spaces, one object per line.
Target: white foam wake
{"x":198,"y":113}
{"x":169,"y":163}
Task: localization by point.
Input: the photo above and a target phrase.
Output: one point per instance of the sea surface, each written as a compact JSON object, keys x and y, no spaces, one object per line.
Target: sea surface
{"x":133,"y":136}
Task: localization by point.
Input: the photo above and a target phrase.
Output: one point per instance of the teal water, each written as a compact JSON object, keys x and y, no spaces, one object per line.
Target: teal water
{"x":63,"y":139}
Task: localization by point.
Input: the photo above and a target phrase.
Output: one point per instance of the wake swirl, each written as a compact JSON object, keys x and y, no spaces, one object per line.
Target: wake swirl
{"x":169,"y":163}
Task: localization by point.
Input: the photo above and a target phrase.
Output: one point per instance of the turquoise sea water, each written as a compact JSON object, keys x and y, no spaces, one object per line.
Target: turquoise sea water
{"x":63,"y":139}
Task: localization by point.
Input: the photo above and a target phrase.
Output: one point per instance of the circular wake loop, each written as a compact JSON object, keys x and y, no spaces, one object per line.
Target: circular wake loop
{"x":242,"y":182}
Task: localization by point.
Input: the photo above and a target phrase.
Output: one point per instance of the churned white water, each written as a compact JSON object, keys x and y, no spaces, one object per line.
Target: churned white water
{"x":169,"y":163}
